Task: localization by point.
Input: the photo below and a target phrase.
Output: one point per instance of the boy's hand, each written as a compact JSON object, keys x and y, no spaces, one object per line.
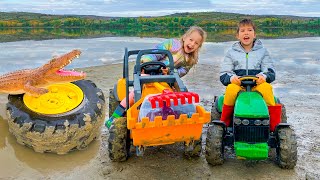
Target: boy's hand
{"x":235,"y":80}
{"x":261,"y":79}
{"x":165,"y":71}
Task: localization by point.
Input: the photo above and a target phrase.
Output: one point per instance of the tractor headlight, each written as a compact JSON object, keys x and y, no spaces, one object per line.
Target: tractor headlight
{"x":237,"y":121}
{"x":245,"y":122}
{"x":265,"y":122}
{"x":257,"y":122}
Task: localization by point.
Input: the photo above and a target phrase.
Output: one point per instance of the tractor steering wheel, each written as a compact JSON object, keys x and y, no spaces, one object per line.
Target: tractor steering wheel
{"x":248,"y":80}
{"x":153,"y":67}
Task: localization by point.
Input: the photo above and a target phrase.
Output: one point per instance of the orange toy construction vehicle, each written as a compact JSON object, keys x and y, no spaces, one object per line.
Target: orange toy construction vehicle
{"x":163,"y":111}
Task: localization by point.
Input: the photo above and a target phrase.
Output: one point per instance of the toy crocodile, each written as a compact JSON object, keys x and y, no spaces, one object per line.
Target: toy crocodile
{"x":34,"y":81}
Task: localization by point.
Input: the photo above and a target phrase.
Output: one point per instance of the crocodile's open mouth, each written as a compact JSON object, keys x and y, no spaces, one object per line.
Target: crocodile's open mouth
{"x":67,"y":59}
{"x":63,"y":72}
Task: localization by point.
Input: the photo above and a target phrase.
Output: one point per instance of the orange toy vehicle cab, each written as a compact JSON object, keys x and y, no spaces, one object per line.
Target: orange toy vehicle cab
{"x":163,"y":111}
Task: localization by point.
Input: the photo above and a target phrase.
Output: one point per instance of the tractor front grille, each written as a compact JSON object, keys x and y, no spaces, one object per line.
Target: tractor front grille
{"x":251,"y":133}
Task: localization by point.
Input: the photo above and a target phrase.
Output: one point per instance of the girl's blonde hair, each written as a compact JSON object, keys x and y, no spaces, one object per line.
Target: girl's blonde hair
{"x":193,"y":57}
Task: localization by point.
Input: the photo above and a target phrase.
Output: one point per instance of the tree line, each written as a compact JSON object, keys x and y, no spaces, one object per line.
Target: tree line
{"x":180,"y":20}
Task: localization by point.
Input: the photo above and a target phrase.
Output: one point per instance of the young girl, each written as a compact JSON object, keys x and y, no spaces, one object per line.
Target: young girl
{"x":185,"y":55}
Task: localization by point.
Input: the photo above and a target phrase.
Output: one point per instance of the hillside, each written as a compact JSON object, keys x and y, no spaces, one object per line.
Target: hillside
{"x":33,"y":16}
{"x":17,"y":26}
{"x":178,"y":20}
{"x":215,"y":16}
{"x":199,"y":16}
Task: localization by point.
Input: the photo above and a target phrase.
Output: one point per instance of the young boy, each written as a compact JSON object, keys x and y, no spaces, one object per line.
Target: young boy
{"x":246,"y":57}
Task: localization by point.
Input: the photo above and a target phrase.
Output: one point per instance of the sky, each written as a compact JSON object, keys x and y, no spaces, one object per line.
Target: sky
{"x":134,"y":8}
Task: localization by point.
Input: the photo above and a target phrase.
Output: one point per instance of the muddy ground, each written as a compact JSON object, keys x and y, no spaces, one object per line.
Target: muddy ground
{"x":300,"y":94}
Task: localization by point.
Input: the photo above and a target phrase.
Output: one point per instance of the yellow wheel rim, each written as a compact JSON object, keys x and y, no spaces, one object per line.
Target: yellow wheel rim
{"x":61,"y":98}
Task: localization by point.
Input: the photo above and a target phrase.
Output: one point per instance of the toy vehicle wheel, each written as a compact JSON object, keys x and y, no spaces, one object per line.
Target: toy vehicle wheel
{"x":283,"y":114}
{"x":214,"y":145}
{"x":119,"y":140}
{"x":286,"y":148}
{"x":215,"y":115}
{"x":193,"y":149}
{"x":283,"y":111}
{"x":113,"y":102}
{"x":61,"y":132}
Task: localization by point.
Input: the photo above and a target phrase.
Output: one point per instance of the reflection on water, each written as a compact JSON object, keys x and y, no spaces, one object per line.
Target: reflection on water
{"x":14,"y":156}
{"x":214,"y":34}
{"x":3,"y":133}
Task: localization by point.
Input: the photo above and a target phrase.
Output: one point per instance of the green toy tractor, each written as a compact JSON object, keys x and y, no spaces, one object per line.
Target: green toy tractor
{"x":252,"y":131}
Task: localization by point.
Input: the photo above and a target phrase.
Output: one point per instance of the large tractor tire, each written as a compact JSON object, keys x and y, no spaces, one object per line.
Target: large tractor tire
{"x":69,"y":126}
{"x":214,"y":145}
{"x":119,"y":140}
{"x":193,"y":149}
{"x":286,"y":148}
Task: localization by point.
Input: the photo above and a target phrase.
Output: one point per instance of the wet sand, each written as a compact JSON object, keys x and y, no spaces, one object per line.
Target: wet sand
{"x":300,"y":95}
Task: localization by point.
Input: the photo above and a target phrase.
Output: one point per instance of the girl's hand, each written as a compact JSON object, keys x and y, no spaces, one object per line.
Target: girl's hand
{"x":235,"y":80}
{"x":261,"y":79}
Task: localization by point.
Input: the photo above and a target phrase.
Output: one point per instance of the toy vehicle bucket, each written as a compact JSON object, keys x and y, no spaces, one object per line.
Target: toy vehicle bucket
{"x":171,"y":130}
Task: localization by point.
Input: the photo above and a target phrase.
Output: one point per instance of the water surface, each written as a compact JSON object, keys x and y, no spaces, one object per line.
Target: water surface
{"x":296,"y":58}
{"x":288,"y":53}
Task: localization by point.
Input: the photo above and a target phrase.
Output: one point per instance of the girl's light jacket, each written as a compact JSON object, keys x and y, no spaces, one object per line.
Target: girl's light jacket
{"x":179,"y":57}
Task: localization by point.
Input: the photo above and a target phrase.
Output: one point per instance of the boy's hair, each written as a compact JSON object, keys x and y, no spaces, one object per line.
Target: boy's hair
{"x":193,"y":57}
{"x":246,"y":22}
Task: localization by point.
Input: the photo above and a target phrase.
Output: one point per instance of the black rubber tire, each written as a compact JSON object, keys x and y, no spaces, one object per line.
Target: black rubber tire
{"x":193,"y":149}
{"x":283,"y":111}
{"x":113,"y":102}
{"x":283,"y":114}
{"x":215,"y":115}
{"x":214,"y":149}
{"x":286,"y":148}
{"x":59,"y":133}
{"x":119,"y":140}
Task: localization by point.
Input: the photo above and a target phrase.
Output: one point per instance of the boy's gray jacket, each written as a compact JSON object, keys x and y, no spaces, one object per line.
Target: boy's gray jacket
{"x":256,"y":61}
